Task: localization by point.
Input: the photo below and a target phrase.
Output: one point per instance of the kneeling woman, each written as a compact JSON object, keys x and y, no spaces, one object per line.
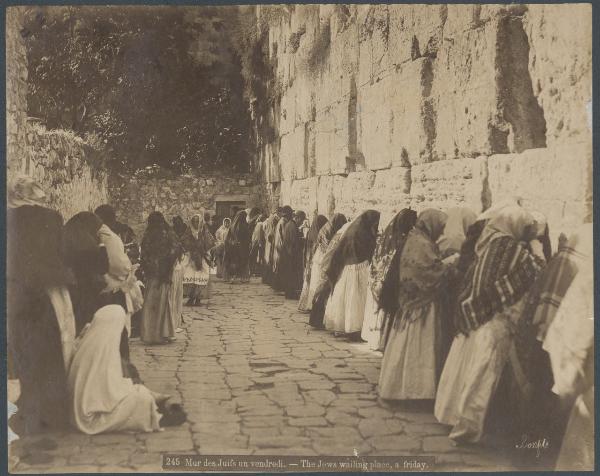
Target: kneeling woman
{"x":103,"y":400}
{"x":413,"y":355}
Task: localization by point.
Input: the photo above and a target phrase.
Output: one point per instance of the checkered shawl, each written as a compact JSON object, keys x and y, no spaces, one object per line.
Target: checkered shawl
{"x":496,"y":280}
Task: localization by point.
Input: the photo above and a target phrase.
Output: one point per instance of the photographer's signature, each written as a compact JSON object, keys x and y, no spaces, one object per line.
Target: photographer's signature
{"x":538,"y":445}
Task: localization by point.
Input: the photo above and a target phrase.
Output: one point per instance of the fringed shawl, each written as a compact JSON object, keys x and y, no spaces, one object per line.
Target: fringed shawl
{"x":499,"y":278}
{"x":384,"y":272}
{"x":421,"y":270}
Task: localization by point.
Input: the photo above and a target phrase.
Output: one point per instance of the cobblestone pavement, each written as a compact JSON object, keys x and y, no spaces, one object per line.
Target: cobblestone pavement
{"x":254,"y":378}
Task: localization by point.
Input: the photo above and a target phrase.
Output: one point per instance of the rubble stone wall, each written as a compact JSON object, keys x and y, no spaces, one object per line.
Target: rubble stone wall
{"x":135,"y":197}
{"x":61,"y":161}
{"x":387,"y":106}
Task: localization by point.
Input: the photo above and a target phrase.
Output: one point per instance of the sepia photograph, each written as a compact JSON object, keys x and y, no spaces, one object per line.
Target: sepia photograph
{"x":299,"y":238}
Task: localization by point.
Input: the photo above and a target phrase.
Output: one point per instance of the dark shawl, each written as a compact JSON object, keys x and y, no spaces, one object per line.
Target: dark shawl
{"x":160,"y":249}
{"x":34,"y":243}
{"x":384,"y":268}
{"x":237,"y":247}
{"x":355,"y":246}
{"x":328,"y":230}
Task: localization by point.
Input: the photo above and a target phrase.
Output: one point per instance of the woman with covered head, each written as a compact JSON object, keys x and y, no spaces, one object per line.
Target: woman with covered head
{"x":381,"y":303}
{"x":198,"y":242}
{"x":319,"y":284}
{"x":219,"y":247}
{"x":347,"y":270}
{"x":40,"y":320}
{"x":412,"y":360}
{"x":529,"y":372}
{"x":489,"y":301}
{"x":160,"y":252}
{"x":288,"y":253}
{"x":310,"y":247}
{"x":237,"y":249}
{"x":570,"y":345}
{"x":102,"y":398}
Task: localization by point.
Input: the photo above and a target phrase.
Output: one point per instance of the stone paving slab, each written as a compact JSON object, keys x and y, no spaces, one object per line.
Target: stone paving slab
{"x":254,"y":378}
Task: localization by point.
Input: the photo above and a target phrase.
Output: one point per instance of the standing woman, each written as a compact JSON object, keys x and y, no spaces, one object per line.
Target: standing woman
{"x":40,"y":321}
{"x":348,"y":273}
{"x":160,"y":251}
{"x":269,"y":229}
{"x":412,"y":360}
{"x":310,"y":246}
{"x":237,"y":249}
{"x":381,"y":302}
{"x":219,"y":248}
{"x":288,"y":246}
{"x":198,"y":243}
{"x":489,"y":303}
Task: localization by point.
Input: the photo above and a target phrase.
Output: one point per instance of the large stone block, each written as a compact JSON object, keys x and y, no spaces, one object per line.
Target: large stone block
{"x":447,"y":183}
{"x":557,"y":182}
{"x":376,"y":120}
{"x":465,"y":111}
{"x":560,"y":63}
{"x":415,"y":31}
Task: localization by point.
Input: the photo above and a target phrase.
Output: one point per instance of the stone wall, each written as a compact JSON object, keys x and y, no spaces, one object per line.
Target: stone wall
{"x":62,"y":162}
{"x":135,"y":197}
{"x":16,"y":90}
{"x":386,"y":106}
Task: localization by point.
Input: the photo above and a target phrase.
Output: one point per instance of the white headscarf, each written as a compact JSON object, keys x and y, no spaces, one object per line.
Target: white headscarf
{"x":458,"y":222}
{"x":495,"y":209}
{"x":510,"y":220}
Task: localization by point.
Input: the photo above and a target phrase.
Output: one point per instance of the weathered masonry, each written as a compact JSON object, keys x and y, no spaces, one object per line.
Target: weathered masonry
{"x":386,"y":106}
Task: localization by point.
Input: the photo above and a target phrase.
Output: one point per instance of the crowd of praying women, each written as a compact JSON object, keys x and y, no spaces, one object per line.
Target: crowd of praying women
{"x":475,"y":313}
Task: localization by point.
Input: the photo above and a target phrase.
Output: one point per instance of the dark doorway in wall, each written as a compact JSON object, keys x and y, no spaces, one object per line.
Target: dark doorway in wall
{"x":228,"y":209}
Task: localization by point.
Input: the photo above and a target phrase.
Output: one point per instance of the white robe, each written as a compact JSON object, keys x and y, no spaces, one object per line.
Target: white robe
{"x":103,"y":400}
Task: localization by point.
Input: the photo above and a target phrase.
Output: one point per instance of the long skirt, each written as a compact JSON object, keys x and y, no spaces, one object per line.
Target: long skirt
{"x":157,"y":322}
{"x":196,"y":280}
{"x":471,"y":376}
{"x":345,"y":310}
{"x":411,"y":361}
{"x":34,"y":337}
{"x":372,"y":325}
{"x":311,"y":282}
{"x":176,"y":295}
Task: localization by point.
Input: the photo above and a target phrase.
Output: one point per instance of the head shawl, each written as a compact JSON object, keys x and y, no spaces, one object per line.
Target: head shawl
{"x":329,"y":230}
{"x":313,"y":234}
{"x":239,"y":231}
{"x":179,"y":226}
{"x":496,"y":208}
{"x":511,"y":221}
{"x":455,"y":232}
{"x":25,"y":190}
{"x":107,"y":214}
{"x":384,"y":269}
{"x":82,"y":244}
{"x":160,"y":248}
{"x":195,"y":230}
{"x":287,"y":211}
{"x":356,"y":244}
{"x":432,"y":223}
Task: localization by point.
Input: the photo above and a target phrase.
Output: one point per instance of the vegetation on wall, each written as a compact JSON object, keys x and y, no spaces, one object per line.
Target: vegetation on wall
{"x":156,"y":85}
